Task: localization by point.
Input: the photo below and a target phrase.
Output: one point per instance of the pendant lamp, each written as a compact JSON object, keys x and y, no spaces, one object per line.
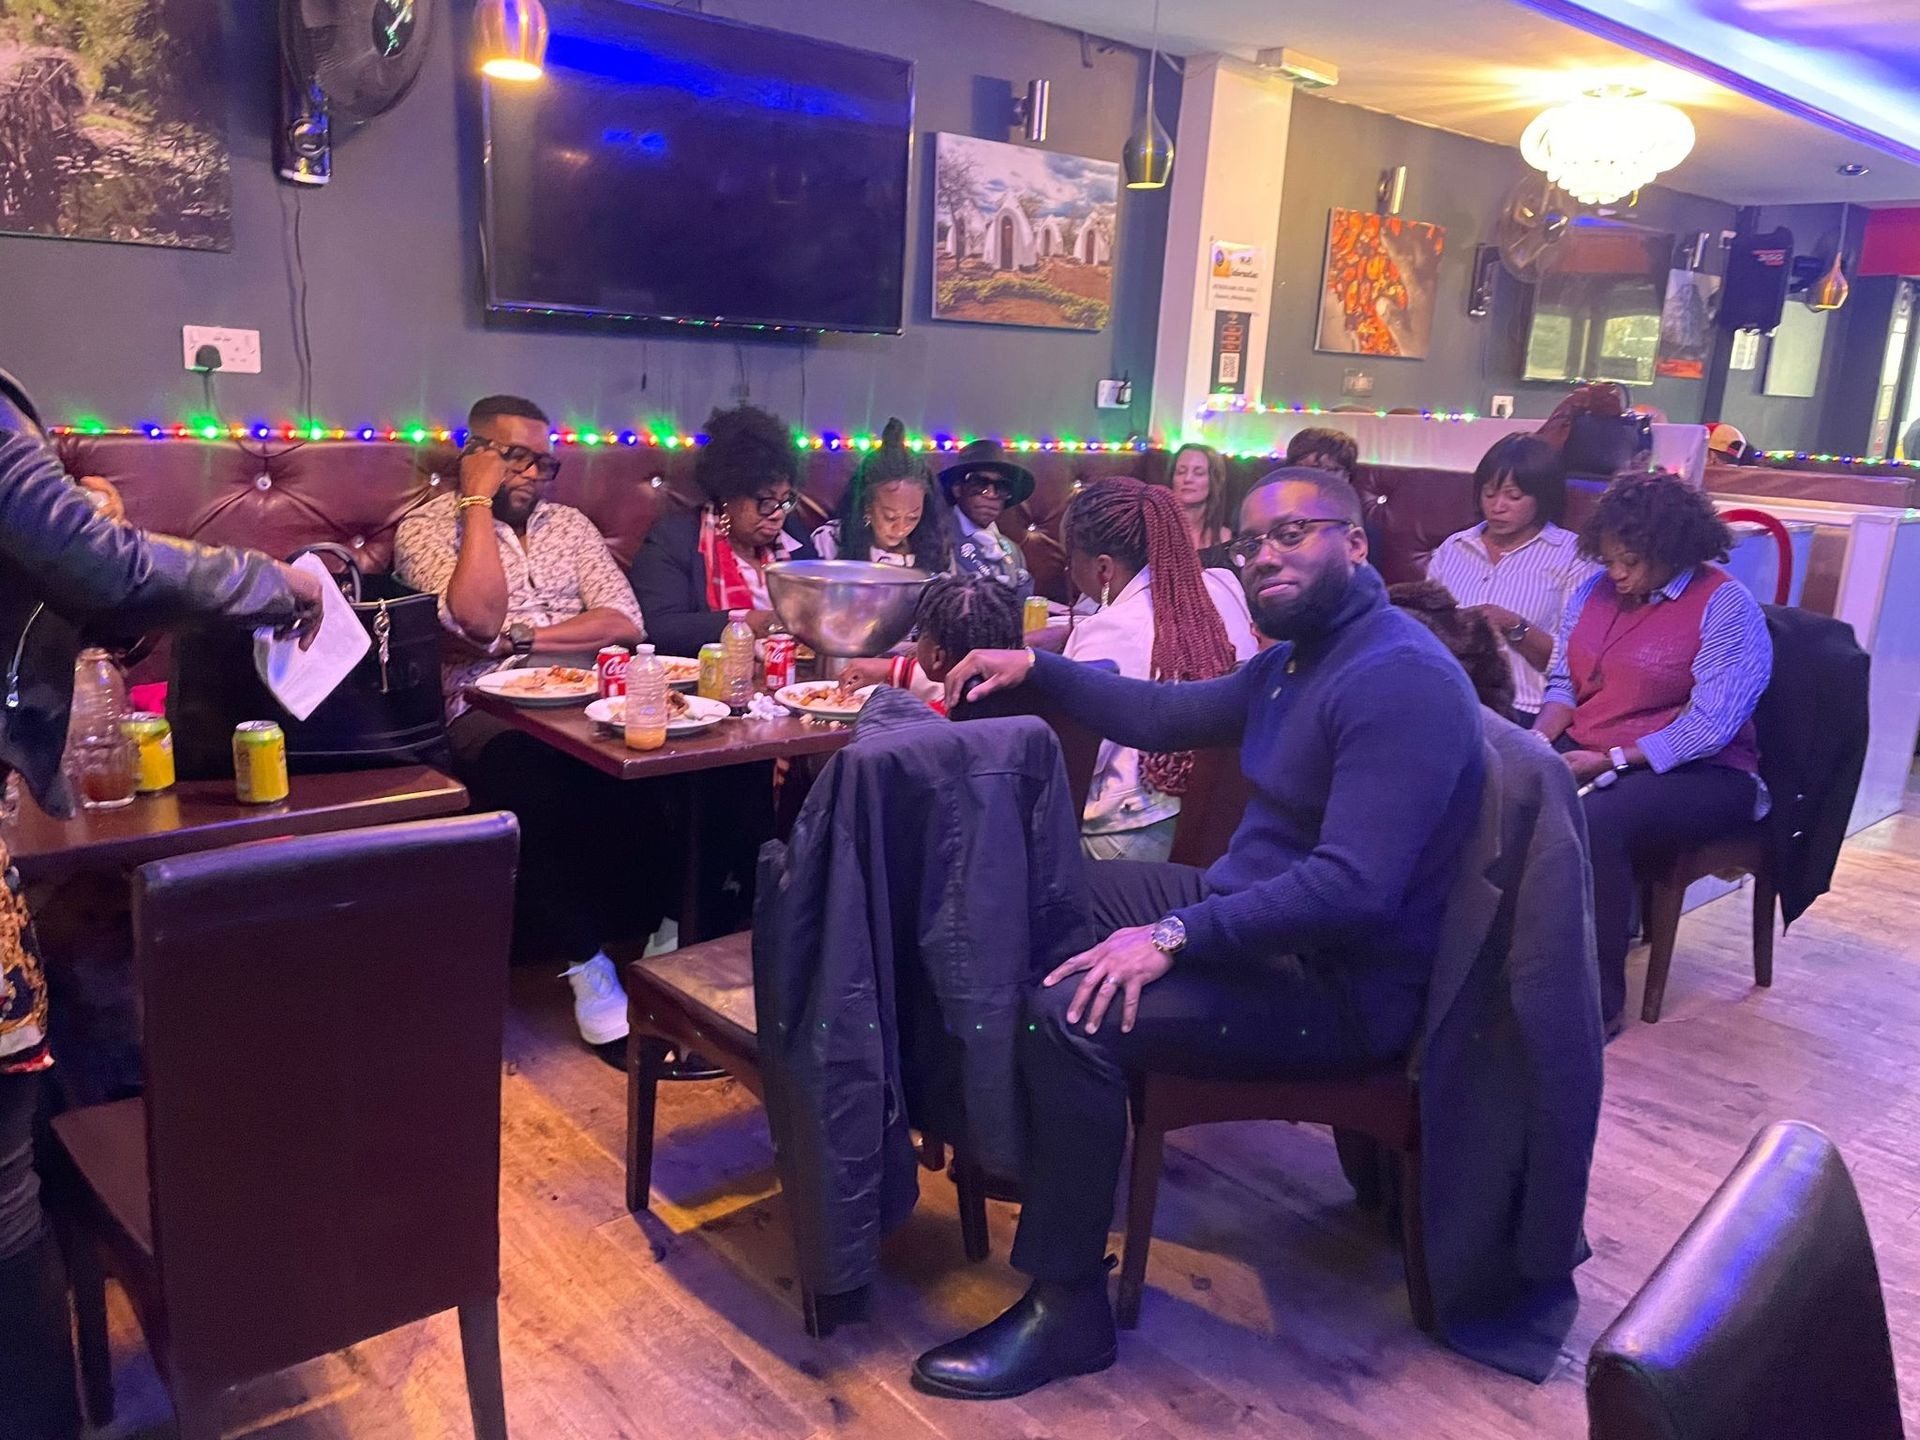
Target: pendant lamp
{"x":511,"y":36}
{"x":1829,"y":292}
{"x":1148,"y":156}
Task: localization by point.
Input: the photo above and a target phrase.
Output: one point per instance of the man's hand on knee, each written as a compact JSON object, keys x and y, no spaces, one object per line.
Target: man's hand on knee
{"x":1123,"y":964}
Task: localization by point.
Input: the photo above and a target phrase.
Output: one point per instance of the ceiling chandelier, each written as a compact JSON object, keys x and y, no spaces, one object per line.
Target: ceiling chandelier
{"x":1608,"y":143}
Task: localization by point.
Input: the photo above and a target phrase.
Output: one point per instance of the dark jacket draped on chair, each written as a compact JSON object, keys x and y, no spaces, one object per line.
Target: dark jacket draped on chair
{"x":933,"y":875}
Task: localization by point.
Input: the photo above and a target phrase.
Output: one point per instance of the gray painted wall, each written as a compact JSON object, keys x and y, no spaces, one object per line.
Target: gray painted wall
{"x":1334,"y":157}
{"x":396,"y":324}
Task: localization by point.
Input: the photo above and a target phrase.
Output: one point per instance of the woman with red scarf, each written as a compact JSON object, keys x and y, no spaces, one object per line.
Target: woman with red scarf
{"x":697,"y":565}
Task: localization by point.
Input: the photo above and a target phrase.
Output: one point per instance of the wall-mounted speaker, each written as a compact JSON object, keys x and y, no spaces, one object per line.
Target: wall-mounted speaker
{"x":1486,"y":264}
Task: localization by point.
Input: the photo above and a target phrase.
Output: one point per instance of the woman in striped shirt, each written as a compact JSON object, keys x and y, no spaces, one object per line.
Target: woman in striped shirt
{"x":1517,"y":566}
{"x":1661,"y":659}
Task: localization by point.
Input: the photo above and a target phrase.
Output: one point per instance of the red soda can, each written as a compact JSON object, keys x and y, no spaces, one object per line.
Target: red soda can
{"x":781,"y":658}
{"x":610,"y":667}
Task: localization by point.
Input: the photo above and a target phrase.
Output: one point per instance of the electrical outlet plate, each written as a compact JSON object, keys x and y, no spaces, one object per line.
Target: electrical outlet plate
{"x":1502,"y":407}
{"x":1114,"y":394}
{"x":239,"y":349}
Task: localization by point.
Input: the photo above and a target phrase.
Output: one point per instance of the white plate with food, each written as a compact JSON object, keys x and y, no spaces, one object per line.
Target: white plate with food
{"x":824,"y":700}
{"x":682,"y":673}
{"x":541,"y":685}
{"x":686,"y":714}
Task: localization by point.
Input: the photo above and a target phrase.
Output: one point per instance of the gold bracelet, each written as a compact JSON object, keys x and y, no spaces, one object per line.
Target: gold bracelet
{"x":465,"y":500}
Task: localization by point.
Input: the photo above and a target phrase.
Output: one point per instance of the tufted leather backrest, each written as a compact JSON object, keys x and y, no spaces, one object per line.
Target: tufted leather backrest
{"x":278,"y":497}
{"x":1764,"y":1322}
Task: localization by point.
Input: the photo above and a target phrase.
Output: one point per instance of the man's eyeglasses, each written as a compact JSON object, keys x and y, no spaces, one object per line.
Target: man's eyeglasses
{"x":1282,"y":535}
{"x":519,"y":458}
{"x":772,"y":505}
{"x":986,"y":484}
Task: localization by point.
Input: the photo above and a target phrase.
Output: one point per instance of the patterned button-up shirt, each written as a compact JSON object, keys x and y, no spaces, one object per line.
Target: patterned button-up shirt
{"x":563,"y":570}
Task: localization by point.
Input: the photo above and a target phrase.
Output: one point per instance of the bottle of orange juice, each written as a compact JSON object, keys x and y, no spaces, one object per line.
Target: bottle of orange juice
{"x":646,"y":713}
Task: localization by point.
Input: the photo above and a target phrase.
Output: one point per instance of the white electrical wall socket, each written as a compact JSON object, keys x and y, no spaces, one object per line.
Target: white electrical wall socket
{"x":1502,"y":407}
{"x":1114,"y":394}
{"x":239,"y":349}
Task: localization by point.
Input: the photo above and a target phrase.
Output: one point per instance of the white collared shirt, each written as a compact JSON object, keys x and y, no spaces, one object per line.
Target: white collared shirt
{"x":1534,"y":581}
{"x":1122,"y":632}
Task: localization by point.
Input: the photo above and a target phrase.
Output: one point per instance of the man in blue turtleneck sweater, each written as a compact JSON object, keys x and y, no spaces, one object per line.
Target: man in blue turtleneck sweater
{"x":1306,"y":949}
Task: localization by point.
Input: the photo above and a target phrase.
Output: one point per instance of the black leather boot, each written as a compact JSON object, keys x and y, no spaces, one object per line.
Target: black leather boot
{"x":38,"y":1396}
{"x":1053,"y":1332}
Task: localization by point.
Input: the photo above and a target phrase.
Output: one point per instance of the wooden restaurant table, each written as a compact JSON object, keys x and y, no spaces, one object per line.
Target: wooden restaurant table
{"x":204,"y":815}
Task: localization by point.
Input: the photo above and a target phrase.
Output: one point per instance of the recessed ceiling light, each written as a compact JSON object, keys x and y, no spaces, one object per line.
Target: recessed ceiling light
{"x":1852,"y":170}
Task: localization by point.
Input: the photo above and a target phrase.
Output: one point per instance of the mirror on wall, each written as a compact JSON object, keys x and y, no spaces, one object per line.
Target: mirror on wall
{"x":1596,"y":304}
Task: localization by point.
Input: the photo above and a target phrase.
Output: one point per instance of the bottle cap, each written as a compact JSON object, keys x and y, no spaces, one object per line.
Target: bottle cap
{"x":643,"y":649}
{"x":736,"y":615}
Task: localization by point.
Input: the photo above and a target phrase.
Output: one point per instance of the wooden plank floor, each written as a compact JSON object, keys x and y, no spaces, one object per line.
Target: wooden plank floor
{"x":1273,"y":1308}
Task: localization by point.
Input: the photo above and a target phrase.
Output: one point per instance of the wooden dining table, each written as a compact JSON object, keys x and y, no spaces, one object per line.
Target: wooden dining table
{"x":199,"y":815}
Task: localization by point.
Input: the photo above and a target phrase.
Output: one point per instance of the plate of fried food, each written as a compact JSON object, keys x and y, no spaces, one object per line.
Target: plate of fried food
{"x":686,"y":714}
{"x":682,"y":673}
{"x":541,"y":685}
{"x":825,"y":700}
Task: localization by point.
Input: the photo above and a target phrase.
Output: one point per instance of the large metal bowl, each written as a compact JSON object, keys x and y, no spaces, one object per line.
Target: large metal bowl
{"x":849,"y":608}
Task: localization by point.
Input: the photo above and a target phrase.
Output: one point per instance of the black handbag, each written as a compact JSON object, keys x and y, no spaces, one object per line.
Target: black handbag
{"x":1605,"y":445}
{"x":388,"y":711}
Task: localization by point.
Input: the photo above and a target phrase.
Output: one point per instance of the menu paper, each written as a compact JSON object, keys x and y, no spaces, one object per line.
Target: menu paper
{"x":301,"y":679}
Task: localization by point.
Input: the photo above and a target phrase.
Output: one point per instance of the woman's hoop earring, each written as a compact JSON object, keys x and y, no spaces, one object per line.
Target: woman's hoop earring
{"x":723,"y":522}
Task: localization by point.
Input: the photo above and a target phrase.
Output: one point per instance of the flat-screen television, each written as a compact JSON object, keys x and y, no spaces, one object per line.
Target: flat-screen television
{"x":672,"y":166}
{"x":1597,"y":303}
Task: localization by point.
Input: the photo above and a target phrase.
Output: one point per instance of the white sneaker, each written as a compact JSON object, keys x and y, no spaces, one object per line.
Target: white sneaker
{"x":599,"y":1004}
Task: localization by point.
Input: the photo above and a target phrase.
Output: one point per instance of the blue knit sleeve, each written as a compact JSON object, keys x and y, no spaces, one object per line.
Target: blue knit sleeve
{"x":1405,"y":737}
{"x":1146,"y":714}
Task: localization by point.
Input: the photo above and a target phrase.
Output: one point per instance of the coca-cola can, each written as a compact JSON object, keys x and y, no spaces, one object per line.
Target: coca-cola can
{"x":782,"y":651}
{"x":610,"y":667}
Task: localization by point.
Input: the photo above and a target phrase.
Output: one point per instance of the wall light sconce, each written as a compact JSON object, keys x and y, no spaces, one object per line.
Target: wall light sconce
{"x":1030,"y":109}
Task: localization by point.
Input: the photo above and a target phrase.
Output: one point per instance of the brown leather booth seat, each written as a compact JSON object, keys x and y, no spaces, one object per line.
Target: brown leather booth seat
{"x":278,"y":497}
{"x":1897,"y":487}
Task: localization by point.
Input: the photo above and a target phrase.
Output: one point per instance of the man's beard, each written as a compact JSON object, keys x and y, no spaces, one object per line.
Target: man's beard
{"x":1308,"y":612}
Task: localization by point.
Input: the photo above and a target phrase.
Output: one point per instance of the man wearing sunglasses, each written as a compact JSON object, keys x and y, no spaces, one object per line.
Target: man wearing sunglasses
{"x":1306,"y":949}
{"x":523,"y":581}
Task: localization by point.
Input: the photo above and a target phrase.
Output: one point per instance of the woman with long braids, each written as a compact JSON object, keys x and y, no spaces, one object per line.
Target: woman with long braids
{"x":1161,"y":617}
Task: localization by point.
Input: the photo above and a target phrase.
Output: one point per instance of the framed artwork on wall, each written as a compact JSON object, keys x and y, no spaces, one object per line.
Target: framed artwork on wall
{"x":1022,"y":236}
{"x":1379,"y":288}
{"x":113,"y":122}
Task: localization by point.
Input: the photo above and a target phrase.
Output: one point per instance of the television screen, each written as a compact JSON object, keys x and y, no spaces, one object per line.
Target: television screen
{"x":1597,"y":303}
{"x":674,"y":166}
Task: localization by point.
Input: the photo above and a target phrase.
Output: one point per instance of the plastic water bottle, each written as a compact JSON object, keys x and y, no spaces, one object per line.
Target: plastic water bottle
{"x":736,"y":648}
{"x":646,"y":714}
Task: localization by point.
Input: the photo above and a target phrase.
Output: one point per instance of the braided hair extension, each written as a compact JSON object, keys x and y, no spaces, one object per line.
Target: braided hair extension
{"x":1142,"y":526}
{"x":964,"y":613}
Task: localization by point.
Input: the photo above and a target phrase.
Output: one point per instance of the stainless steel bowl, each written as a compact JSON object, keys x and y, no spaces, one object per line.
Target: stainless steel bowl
{"x":846,"y":607}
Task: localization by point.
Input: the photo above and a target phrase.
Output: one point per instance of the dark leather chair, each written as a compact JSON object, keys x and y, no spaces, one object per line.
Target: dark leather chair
{"x":700,"y":998}
{"x":1381,"y":1106}
{"x":317,"y":1156}
{"x":1764,"y":1322}
{"x":1665,"y":884}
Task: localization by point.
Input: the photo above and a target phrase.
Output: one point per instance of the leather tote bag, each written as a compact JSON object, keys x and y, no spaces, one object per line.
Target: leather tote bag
{"x":1605,"y":444}
{"x":388,"y":711}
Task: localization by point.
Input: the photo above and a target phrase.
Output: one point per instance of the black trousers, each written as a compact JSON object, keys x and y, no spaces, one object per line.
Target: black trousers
{"x":1267,"y":1020}
{"x":38,"y":1398}
{"x":1644,"y":817}
{"x":600,"y":859}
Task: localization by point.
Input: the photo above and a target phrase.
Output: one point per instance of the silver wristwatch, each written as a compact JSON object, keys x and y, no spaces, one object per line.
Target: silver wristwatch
{"x":1170,"y":935}
{"x":1516,"y":633}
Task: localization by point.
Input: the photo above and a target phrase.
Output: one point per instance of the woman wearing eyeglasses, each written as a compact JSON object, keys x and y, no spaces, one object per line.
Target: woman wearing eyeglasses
{"x":698,"y":565}
{"x":980,"y":487}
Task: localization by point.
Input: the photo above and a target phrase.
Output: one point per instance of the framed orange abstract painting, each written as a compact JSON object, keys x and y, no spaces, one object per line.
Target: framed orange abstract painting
{"x":1377,"y":296}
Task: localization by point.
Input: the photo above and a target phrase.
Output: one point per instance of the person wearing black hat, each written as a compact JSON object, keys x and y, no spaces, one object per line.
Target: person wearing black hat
{"x":890,"y":514}
{"x":980,"y":487}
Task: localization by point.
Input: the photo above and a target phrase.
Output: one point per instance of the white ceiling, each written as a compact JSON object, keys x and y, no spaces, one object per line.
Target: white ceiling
{"x":1487,"y":67}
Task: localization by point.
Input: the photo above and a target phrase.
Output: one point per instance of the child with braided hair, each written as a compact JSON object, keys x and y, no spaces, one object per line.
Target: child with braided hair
{"x":958,"y":614}
{"x":1161,"y":617}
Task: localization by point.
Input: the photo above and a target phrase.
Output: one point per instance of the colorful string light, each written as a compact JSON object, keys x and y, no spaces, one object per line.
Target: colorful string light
{"x":1240,"y":405}
{"x":1870,"y":461}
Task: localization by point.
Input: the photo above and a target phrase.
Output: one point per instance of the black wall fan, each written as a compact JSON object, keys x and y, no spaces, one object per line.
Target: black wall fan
{"x":342,"y":63}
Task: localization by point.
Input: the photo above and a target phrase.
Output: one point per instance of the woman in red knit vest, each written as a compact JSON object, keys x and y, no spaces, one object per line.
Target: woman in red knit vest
{"x":1660,"y":661}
